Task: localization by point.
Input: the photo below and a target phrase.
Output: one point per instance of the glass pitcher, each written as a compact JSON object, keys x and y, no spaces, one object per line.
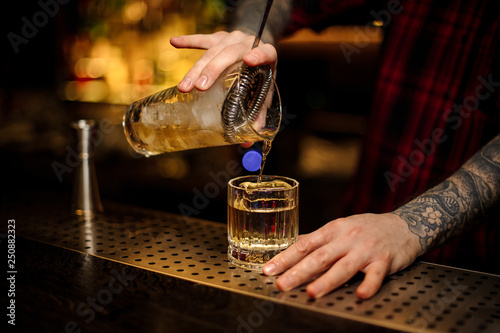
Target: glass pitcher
{"x":243,"y":105}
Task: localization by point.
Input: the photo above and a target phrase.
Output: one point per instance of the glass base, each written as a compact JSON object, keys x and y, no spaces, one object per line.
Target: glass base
{"x":245,"y":264}
{"x":252,"y":259}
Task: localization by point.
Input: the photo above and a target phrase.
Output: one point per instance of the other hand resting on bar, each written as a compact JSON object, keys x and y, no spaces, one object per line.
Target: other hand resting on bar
{"x":382,"y":244}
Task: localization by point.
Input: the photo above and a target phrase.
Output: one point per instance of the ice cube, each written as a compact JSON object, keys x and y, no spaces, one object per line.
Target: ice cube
{"x":166,"y":115}
{"x":179,"y":116}
{"x":150,"y":114}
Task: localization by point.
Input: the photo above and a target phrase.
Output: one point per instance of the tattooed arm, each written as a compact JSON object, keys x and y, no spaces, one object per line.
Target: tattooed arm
{"x":382,"y":244}
{"x":457,"y":203}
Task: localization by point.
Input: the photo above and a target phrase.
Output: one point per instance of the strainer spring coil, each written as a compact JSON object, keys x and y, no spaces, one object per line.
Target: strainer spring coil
{"x":249,"y":96}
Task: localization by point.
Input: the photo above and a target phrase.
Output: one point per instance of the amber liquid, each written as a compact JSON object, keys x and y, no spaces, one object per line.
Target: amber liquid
{"x":266,"y":148}
{"x":184,"y":132}
{"x":167,"y":139}
{"x":257,"y":236}
{"x":172,"y":121}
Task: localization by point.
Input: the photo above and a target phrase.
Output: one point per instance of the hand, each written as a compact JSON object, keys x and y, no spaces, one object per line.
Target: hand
{"x":377,"y":245}
{"x":223,"y":50}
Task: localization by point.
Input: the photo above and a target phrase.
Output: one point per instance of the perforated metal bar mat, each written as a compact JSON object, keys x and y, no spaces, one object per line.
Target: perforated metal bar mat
{"x":424,"y":297}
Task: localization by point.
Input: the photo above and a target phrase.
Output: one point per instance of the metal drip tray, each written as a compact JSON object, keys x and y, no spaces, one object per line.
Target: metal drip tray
{"x":424,"y":297}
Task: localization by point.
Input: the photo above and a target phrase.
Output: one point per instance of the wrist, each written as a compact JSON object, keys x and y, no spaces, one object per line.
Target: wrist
{"x":415,"y":244}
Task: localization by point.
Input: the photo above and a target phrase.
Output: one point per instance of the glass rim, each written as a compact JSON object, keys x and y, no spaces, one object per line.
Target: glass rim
{"x":295,"y":183}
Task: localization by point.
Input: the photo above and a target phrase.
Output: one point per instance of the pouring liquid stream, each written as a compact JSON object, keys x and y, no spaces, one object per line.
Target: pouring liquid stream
{"x":266,"y":148}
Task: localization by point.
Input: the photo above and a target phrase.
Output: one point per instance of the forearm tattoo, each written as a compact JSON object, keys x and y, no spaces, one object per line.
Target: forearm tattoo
{"x":464,"y":198}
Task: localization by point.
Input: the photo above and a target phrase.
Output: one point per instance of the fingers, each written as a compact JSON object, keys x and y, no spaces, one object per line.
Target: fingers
{"x":214,"y":62}
{"x":333,"y":254}
{"x":295,"y":253}
{"x":197,"y":41}
{"x":264,"y":54}
{"x":343,"y":270}
{"x":315,"y":263}
{"x":223,"y":50}
{"x":340,"y":271}
{"x":375,"y":273}
{"x":310,"y":256}
{"x":200,"y":76}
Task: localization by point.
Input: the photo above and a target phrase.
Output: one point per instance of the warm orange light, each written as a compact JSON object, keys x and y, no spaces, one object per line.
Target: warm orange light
{"x":168,"y":60}
{"x":172,"y":167}
{"x":133,"y":12}
{"x":96,"y":68}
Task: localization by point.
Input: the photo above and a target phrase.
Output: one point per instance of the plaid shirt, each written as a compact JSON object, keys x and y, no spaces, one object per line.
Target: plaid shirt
{"x":436,"y":103}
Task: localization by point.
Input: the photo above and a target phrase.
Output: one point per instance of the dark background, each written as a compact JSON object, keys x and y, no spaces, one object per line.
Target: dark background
{"x":324,"y":97}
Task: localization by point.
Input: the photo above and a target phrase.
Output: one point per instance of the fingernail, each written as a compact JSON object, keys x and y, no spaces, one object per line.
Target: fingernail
{"x":202,"y":81}
{"x":269,"y":269}
{"x":185,"y":84}
{"x":362,"y":292}
{"x":314,"y":293}
{"x":285,"y":283}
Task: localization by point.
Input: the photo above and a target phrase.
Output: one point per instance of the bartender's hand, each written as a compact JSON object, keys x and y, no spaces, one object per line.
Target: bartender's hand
{"x":223,"y":50}
{"x":375,"y":244}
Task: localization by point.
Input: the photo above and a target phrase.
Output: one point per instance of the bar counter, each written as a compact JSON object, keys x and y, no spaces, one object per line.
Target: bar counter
{"x":131,"y":269}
